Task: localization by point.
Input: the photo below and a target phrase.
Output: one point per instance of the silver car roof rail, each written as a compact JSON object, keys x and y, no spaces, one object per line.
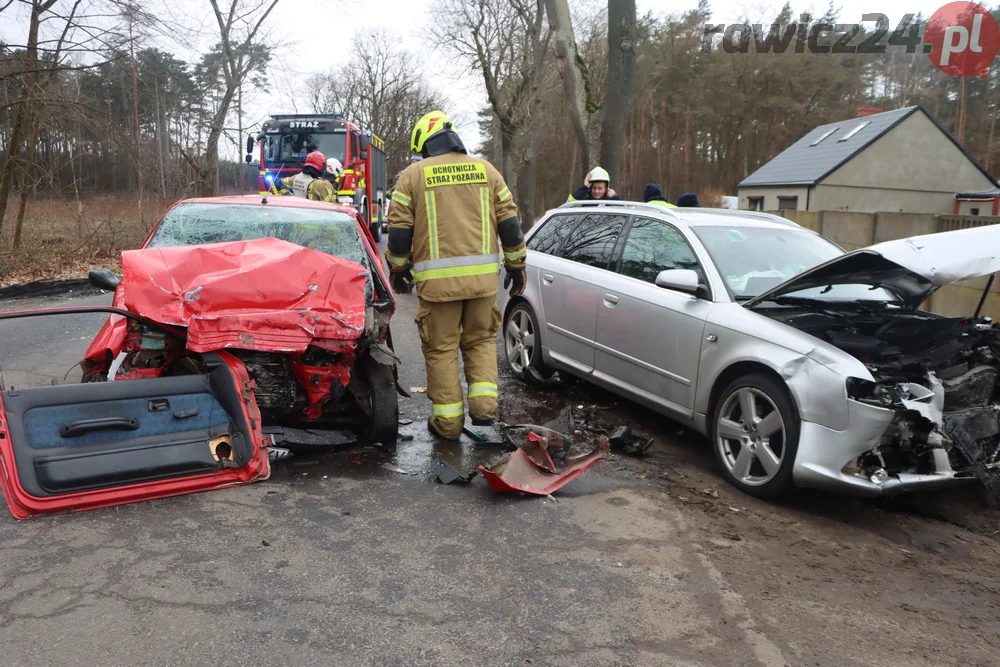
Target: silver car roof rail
{"x":737,"y":213}
{"x":676,"y":212}
{"x":616,"y":203}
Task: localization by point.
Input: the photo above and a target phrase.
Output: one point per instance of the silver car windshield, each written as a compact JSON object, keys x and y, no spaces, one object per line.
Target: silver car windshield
{"x":753,"y":260}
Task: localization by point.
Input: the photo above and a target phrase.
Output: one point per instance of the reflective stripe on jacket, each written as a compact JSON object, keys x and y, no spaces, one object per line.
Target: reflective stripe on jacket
{"x":446,"y":216}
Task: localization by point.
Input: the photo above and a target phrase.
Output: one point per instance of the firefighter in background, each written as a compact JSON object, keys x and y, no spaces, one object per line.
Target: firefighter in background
{"x":308,"y":183}
{"x":596,"y":185}
{"x":653,"y":194}
{"x":447,"y":212}
{"x":334,"y":172}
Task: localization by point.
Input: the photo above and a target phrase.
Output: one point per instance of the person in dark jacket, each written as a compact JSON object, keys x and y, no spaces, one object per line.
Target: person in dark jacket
{"x":653,"y":194}
{"x":688,"y":200}
{"x":597,"y":185}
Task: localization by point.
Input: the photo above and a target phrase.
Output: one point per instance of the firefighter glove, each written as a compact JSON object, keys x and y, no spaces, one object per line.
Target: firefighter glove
{"x":402,"y":280}
{"x":517,"y":278}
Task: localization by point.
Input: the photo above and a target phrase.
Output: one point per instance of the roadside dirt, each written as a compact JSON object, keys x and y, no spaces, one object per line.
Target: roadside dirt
{"x":910,"y":580}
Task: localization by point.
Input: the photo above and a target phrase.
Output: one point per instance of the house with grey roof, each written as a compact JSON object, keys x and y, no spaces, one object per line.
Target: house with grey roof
{"x":901,"y":160}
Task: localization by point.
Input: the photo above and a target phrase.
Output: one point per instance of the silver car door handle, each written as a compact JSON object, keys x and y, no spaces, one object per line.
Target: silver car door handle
{"x":548,"y":278}
{"x":610,"y":299}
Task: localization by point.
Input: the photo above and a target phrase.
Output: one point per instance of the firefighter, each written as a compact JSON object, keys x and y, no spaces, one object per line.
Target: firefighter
{"x":653,"y":194}
{"x":447,"y":211}
{"x":596,"y":185}
{"x":334,"y":171}
{"x":309,"y":182}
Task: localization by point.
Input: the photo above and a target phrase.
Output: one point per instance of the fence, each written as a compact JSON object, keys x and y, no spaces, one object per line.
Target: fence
{"x":857,"y":230}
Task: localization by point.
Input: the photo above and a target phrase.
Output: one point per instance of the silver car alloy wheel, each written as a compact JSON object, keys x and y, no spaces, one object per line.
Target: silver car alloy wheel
{"x":519,"y":337}
{"x":751,"y":436}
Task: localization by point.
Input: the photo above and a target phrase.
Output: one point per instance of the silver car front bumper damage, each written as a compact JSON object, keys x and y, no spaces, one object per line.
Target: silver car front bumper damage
{"x":825,"y":457}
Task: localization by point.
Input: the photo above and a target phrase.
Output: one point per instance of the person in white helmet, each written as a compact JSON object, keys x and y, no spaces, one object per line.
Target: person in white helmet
{"x":596,"y":185}
{"x":333,"y":172}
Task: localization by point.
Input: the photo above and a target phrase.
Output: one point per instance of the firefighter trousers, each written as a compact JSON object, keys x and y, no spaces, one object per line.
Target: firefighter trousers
{"x":445,"y":328}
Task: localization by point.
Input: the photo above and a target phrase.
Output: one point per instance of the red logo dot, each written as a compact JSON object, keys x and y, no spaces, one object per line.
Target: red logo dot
{"x":964,"y":38}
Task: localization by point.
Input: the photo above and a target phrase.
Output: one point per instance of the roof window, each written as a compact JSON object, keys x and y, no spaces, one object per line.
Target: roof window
{"x":854,"y":131}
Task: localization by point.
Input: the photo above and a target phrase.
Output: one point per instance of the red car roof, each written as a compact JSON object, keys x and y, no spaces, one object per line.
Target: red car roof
{"x":272,"y":200}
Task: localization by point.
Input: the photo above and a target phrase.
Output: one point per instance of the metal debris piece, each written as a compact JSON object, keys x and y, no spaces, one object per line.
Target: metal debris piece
{"x":418,"y":390}
{"x":405,"y":422}
{"x":392,"y":468}
{"x":622,"y":438}
{"x":517,"y":473}
{"x":448,"y":474}
{"x":478,"y":437}
{"x":536,"y":448}
{"x":711,"y":492}
{"x":973,"y":453}
{"x":278,"y":454}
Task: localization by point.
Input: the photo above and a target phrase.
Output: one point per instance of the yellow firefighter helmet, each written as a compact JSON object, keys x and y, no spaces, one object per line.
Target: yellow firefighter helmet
{"x":427,"y":127}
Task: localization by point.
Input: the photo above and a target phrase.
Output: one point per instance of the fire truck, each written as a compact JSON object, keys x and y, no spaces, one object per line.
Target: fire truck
{"x":286,"y":139}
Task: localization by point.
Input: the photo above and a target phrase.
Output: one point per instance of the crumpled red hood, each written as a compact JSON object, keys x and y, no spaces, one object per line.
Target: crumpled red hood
{"x":264,"y":294}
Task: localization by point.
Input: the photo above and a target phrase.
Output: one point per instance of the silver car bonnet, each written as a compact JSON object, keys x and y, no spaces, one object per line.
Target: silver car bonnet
{"x":912,"y":268}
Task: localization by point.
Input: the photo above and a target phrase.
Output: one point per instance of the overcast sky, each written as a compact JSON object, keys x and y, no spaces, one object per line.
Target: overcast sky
{"x":315,"y":35}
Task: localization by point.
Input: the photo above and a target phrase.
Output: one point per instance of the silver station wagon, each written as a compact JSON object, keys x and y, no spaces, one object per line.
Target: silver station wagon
{"x":805,"y":365}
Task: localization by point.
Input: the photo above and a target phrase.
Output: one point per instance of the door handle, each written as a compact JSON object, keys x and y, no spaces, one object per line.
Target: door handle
{"x":610,"y":299}
{"x":548,"y":278}
{"x":85,"y":426}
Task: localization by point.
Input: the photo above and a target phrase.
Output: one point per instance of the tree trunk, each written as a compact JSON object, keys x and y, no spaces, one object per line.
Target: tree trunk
{"x":993,"y":127}
{"x":621,"y":83}
{"x":159,"y":138}
{"x":27,"y":179}
{"x":573,"y":71}
{"x":208,"y":178}
{"x":528,"y":177}
{"x":138,"y":138}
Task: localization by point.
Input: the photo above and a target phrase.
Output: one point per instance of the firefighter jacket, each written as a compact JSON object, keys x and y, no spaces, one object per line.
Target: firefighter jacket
{"x":304,"y":185}
{"x":446,"y":215}
{"x":582,"y":193}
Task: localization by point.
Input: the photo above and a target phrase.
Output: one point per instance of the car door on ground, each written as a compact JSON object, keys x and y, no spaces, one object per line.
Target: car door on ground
{"x":649,"y":338}
{"x":82,"y":446}
{"x":572,"y":253}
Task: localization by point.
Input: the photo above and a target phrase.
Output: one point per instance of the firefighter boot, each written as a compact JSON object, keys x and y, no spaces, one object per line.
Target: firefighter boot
{"x":439,"y":324}
{"x":480,"y":323}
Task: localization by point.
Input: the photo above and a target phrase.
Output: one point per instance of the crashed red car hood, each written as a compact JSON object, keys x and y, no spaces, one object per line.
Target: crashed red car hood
{"x":264,"y":294}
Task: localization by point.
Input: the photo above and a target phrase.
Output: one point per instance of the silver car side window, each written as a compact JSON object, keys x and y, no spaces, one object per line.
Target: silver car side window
{"x":593,"y":241}
{"x":551,"y":237}
{"x":652,"y":247}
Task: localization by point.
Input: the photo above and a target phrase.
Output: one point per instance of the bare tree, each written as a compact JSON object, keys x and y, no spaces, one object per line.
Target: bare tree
{"x":22,"y":123}
{"x":575,"y":77}
{"x":382,"y":90}
{"x":501,"y":40}
{"x":621,"y":82}
{"x":239,"y":26}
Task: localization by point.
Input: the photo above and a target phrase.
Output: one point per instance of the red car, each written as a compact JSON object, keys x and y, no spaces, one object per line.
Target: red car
{"x":241,"y":324}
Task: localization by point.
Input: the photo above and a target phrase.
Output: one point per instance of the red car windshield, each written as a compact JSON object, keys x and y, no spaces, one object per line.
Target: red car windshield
{"x":332,"y":232}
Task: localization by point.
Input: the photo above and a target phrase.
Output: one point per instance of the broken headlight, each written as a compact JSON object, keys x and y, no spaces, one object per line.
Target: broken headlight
{"x":861,"y":390}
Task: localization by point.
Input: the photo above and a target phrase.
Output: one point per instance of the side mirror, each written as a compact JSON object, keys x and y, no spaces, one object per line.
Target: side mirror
{"x":365,"y":142}
{"x":680,"y":280}
{"x":249,"y":158}
{"x":364,"y":155}
{"x":103,"y":279}
{"x":249,"y":146}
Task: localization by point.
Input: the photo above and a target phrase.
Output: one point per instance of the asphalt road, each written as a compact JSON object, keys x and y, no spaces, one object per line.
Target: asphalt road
{"x":337,"y":561}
